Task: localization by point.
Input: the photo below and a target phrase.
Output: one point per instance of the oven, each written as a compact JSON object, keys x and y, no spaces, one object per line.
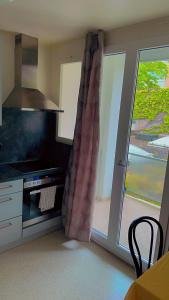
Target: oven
{"x":31,"y":197}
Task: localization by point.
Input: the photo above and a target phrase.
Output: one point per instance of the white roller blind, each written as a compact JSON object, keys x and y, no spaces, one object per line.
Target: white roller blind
{"x":69,"y":90}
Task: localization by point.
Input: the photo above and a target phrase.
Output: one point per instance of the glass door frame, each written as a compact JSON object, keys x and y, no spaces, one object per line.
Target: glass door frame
{"x":122,"y":144}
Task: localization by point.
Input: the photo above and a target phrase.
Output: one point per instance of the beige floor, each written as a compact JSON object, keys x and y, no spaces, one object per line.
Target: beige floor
{"x":132,"y":209}
{"x":53,"y":268}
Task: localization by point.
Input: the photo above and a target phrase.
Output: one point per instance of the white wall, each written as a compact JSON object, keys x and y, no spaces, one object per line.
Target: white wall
{"x":60,"y":54}
{"x":6,"y":64}
{"x":141,"y":35}
{"x":137,"y":35}
{"x":69,"y":91}
{"x":51,"y":57}
{"x":44,"y":74}
{"x":7,"y":45}
{"x":7,"y":67}
{"x":119,"y":39}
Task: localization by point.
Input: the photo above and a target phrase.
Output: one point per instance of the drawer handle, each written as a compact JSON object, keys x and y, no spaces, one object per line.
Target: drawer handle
{"x":5,"y":226}
{"x":5,"y":199}
{"x":5,"y":187}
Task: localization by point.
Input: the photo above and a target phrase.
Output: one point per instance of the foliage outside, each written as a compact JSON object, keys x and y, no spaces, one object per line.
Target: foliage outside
{"x":150,"y":73}
{"x":151,"y":99}
{"x":145,"y":177}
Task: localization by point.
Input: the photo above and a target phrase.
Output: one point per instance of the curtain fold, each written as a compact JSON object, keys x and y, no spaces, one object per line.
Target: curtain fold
{"x":80,"y":182}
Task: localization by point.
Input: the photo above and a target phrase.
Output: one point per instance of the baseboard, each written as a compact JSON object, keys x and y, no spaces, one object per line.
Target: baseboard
{"x":35,"y":231}
{"x":42,"y":228}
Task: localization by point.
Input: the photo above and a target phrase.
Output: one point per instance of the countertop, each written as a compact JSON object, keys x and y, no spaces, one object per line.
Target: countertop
{"x":8,"y":173}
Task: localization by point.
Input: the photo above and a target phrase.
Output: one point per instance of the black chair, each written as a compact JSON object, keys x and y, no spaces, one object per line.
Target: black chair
{"x":136,"y":256}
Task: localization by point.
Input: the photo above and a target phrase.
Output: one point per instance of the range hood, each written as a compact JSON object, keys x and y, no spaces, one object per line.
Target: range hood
{"x":25,"y":95}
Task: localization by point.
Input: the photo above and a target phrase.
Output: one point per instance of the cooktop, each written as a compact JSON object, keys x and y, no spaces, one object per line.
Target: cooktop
{"x":35,"y":166}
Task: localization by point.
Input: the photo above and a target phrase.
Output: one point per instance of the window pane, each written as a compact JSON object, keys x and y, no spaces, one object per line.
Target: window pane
{"x":69,"y":90}
{"x":149,"y":146}
{"x":113,"y":70}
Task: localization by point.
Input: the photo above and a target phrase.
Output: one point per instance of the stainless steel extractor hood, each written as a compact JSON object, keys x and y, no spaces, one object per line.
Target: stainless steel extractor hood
{"x":25,"y":95}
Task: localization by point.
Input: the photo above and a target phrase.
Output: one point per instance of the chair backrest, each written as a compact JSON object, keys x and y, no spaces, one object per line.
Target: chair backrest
{"x":135,"y":252}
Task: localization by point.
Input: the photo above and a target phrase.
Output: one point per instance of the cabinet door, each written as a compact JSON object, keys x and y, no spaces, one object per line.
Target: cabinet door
{"x":10,"y":231}
{"x":10,"y":187}
{"x":11,"y":206}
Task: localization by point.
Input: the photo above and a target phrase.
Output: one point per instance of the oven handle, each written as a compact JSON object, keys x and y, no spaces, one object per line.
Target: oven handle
{"x":35,"y":192}
{"x":39,"y":191}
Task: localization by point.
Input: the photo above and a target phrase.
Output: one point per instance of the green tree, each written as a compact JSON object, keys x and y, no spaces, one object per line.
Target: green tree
{"x":149,"y":104}
{"x":150,"y":73}
{"x":150,"y":98}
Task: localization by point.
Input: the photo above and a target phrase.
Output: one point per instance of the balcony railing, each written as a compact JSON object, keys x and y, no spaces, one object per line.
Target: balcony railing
{"x":145,"y":177}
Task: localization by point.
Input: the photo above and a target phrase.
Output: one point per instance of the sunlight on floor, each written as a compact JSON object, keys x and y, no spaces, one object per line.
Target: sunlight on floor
{"x":52,"y":267}
{"x":132,"y":209}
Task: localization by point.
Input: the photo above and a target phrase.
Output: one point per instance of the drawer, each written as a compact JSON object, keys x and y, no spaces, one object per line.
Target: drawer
{"x":10,"y":231}
{"x":11,"y":206}
{"x":11,"y":187}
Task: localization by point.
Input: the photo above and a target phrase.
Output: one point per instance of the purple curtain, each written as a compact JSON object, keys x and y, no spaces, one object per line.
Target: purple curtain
{"x":80,"y":183}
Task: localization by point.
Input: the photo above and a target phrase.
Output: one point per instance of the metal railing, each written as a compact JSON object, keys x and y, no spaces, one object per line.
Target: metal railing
{"x":145,"y":177}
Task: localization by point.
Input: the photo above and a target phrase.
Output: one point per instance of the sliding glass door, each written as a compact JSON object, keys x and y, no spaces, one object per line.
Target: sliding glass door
{"x":113,"y":72}
{"x":138,"y":162}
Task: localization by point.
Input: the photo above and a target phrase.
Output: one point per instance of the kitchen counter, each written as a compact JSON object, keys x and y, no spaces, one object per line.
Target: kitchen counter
{"x":15,"y":171}
{"x":8,"y":173}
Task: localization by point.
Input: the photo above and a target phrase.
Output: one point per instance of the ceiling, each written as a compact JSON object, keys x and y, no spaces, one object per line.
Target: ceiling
{"x":60,"y":20}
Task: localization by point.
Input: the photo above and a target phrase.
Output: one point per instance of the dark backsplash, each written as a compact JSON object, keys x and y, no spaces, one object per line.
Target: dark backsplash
{"x":28,"y":135}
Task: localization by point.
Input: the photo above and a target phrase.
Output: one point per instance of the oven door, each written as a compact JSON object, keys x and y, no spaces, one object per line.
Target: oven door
{"x":31,"y":211}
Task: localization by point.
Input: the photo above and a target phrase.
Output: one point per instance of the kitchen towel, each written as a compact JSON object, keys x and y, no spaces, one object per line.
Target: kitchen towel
{"x":47,"y":198}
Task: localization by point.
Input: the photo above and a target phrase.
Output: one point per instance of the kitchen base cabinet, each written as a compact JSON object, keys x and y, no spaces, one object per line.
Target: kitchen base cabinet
{"x":10,"y":231}
{"x":11,"y":206}
{"x":11,"y":226}
{"x":11,"y":187}
{"x":11,"y":199}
